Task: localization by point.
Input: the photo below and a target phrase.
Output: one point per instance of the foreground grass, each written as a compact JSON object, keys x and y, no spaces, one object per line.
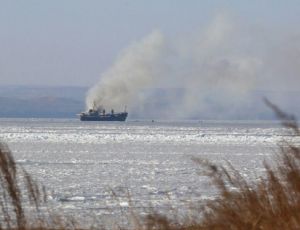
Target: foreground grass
{"x":23,"y":202}
{"x":273,"y":202}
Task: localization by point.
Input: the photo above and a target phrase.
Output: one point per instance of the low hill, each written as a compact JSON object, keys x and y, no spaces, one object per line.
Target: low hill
{"x":158,"y":104}
{"x":40,"y":107}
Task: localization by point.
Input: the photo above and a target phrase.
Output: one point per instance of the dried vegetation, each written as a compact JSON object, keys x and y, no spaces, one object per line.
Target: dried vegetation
{"x":273,"y":202}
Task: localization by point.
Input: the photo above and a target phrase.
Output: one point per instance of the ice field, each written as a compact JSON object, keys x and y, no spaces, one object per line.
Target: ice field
{"x":102,"y":168}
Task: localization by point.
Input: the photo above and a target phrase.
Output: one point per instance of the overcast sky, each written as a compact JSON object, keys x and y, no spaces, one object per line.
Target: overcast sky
{"x":60,"y":42}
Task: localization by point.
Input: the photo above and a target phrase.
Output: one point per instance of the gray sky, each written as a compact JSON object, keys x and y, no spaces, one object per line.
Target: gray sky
{"x":72,"y":42}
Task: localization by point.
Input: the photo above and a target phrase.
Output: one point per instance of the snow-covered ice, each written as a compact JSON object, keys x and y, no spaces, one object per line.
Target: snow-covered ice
{"x":95,"y":167}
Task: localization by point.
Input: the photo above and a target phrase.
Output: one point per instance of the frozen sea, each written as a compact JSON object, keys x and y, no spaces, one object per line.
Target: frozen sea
{"x":99,"y":169}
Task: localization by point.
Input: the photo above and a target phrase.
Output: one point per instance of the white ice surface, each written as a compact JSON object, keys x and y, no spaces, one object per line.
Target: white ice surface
{"x":95,"y":167}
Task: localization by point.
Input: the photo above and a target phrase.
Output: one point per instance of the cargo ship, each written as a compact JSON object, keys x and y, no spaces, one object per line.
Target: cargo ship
{"x":100,"y":115}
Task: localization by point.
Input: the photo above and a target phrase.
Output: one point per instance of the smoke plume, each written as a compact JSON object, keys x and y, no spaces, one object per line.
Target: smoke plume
{"x":211,"y":74}
{"x":137,"y":67}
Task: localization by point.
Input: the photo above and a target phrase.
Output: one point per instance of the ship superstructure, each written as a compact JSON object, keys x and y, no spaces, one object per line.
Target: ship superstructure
{"x":101,"y":115}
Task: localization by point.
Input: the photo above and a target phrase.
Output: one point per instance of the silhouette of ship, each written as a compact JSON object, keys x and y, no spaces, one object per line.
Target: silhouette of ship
{"x":100,"y":115}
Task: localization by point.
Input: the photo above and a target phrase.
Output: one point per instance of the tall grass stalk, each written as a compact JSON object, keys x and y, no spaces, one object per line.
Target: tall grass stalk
{"x":21,"y":199}
{"x":273,"y":202}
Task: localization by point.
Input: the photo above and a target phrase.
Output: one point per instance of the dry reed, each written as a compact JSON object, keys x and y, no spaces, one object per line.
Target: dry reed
{"x":271,"y":203}
{"x":21,"y":199}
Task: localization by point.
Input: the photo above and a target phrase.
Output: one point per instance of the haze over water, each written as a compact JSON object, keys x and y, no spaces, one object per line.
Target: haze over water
{"x":217,"y":53}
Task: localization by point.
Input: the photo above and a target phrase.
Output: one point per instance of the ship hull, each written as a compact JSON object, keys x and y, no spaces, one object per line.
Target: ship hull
{"x":107,"y":117}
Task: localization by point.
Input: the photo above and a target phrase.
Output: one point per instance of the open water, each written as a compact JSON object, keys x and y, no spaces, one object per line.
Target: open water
{"x":100,"y":169}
